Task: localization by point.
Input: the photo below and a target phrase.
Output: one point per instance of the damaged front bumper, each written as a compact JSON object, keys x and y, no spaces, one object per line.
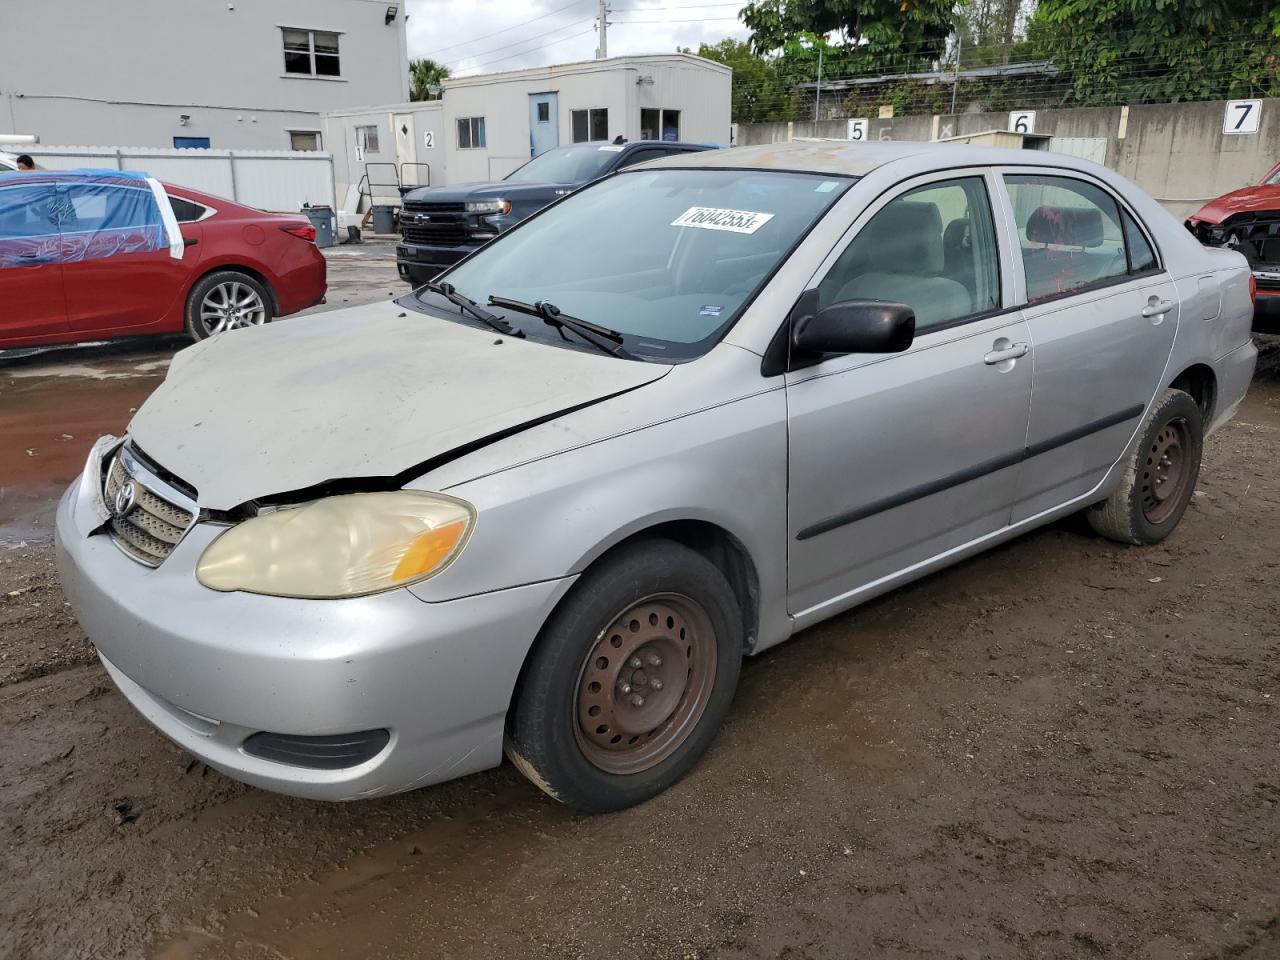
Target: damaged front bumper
{"x":282,"y":693}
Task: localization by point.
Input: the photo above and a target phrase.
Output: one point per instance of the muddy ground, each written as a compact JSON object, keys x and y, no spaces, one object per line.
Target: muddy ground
{"x":1064,"y":748}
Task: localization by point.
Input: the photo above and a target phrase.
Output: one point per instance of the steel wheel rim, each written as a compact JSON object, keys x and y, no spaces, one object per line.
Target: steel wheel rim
{"x":624,"y":722}
{"x":231,"y":305}
{"x":1166,"y":471}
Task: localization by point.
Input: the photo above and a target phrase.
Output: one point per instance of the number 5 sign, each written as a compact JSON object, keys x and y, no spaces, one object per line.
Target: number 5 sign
{"x":1242,"y":116}
{"x":858,"y":129}
{"x":1022,"y":121}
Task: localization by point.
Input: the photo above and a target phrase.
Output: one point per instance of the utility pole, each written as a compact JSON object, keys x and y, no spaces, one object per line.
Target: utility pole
{"x":602,"y":21}
{"x":817,"y":94}
{"x":955,"y":84}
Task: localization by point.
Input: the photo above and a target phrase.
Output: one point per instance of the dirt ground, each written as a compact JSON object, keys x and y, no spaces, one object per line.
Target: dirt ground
{"x":1063,"y":748}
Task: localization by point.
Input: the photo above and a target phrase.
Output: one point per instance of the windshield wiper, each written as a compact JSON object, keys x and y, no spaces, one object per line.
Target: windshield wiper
{"x":469,"y":306}
{"x":550,"y":314}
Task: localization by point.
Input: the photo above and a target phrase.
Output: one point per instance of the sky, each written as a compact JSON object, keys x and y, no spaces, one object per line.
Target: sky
{"x":483,"y":36}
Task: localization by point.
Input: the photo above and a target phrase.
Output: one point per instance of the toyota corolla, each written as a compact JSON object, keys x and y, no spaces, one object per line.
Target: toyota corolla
{"x":549,"y":502}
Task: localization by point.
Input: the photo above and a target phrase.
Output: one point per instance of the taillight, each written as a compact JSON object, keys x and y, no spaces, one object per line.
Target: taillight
{"x":1253,"y":289}
{"x":303,"y":230}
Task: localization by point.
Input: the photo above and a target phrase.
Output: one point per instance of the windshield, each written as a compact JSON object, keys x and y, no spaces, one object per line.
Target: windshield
{"x":566,"y":165}
{"x":665,"y":257}
{"x":1273,"y":179}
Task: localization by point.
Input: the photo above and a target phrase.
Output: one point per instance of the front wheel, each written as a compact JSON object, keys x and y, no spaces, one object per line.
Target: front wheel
{"x":226,"y":300}
{"x":1160,"y":474}
{"x":630,"y":679}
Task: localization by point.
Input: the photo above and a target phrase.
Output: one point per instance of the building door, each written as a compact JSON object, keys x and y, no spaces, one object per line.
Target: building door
{"x":544,"y":122}
{"x":406,"y":139}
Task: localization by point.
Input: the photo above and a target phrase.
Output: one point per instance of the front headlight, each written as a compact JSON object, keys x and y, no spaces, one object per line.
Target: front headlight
{"x":489,"y":206}
{"x":343,"y":546}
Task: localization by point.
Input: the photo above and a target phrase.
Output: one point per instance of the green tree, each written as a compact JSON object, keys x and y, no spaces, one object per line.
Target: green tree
{"x":1140,"y":51}
{"x":758,"y":93}
{"x":423,"y":74}
{"x":875,"y":35}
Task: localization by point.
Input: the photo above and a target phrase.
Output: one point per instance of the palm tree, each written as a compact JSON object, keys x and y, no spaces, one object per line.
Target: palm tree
{"x":424,"y":74}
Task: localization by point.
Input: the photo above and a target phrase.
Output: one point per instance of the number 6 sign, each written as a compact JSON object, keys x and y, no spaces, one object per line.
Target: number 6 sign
{"x":1022,"y":121}
{"x":1242,"y":116}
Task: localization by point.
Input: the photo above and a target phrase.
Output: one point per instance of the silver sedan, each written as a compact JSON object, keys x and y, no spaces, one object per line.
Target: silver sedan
{"x":548,"y":503}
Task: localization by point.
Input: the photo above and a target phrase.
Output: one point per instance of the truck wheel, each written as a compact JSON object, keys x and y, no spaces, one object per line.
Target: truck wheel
{"x":630,"y":679}
{"x":226,"y":300}
{"x":1160,"y":474}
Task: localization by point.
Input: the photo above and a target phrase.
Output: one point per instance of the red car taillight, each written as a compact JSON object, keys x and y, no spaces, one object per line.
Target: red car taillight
{"x":1253,"y":289}
{"x":303,"y":230}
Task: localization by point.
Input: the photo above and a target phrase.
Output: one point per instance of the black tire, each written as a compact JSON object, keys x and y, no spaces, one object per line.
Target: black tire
{"x":545,"y":739}
{"x":1140,"y":511}
{"x":198,"y":326}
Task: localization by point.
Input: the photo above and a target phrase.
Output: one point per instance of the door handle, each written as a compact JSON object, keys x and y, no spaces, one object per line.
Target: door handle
{"x":1157,"y":308}
{"x":1000,"y":355}
{"x":189,"y":241}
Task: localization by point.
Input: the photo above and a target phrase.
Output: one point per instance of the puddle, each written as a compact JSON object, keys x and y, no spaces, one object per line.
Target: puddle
{"x":49,"y":418}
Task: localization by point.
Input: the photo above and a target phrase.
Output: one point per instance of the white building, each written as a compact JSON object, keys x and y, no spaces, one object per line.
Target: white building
{"x":227,"y":74}
{"x":485,"y":126}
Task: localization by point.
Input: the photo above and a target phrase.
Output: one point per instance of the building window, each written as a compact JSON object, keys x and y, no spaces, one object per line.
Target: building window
{"x":544,"y":112}
{"x":191,"y":143}
{"x":590,"y":125}
{"x":311,"y":53}
{"x":304,"y":140}
{"x":368,"y":136}
{"x":470,"y":133}
{"x":660,"y":124}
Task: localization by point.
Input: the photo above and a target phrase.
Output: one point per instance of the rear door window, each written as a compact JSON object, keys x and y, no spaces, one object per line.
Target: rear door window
{"x":1070,"y":232}
{"x":185,"y":211}
{"x":1141,"y":257}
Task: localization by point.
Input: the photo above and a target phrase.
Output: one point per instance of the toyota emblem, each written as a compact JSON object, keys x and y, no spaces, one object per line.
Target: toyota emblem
{"x":126,"y":499}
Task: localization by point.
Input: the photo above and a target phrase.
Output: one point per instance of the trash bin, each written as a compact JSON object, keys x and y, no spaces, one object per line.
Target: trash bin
{"x":323,"y":219}
{"x":384,"y":218}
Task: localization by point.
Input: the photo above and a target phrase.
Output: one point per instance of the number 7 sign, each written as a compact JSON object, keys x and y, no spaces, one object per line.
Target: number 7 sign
{"x":1242,"y":116}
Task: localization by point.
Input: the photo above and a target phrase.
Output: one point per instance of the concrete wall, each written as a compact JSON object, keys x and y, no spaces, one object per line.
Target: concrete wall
{"x":1177,"y":152}
{"x":89,"y":71}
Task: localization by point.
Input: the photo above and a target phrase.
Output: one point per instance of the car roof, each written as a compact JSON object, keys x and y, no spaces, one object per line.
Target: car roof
{"x":854,"y":159}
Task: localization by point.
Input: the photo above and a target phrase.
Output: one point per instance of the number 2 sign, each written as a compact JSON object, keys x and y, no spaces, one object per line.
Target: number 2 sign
{"x":1242,"y":116}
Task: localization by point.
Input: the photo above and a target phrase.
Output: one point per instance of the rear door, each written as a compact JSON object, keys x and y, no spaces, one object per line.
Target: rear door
{"x":118,"y":272}
{"x":31,"y":298}
{"x":895,"y":459}
{"x":1102,"y":314}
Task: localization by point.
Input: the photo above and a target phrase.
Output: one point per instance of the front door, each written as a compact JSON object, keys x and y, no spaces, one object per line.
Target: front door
{"x":897,"y":458}
{"x":31,"y":299}
{"x":544,"y":122}
{"x":406,"y":139}
{"x":1102,"y":315}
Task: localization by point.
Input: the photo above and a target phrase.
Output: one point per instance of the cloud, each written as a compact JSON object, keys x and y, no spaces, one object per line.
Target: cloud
{"x":483,"y":36}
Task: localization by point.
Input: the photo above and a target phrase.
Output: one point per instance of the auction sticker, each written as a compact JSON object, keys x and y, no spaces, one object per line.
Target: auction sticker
{"x":716,"y":218}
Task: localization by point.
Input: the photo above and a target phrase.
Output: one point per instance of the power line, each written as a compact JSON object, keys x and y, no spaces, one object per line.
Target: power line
{"x":482,"y":54}
{"x":521,"y":53}
{"x":523,"y":23}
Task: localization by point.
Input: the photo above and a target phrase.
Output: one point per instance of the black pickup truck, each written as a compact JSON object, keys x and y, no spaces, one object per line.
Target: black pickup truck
{"x":441,"y":225}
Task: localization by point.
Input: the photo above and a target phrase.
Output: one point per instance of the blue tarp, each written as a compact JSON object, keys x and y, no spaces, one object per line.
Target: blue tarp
{"x":77,"y":215}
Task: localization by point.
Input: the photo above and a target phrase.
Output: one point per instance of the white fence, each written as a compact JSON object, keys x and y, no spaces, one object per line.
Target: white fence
{"x":280,"y":180}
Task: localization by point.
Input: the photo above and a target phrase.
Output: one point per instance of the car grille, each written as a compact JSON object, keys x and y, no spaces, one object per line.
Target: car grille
{"x":158,"y":517}
{"x":1268,"y":283}
{"x":443,"y":224}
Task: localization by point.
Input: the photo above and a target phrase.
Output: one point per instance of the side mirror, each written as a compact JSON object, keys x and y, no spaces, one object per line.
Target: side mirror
{"x":856,"y":326}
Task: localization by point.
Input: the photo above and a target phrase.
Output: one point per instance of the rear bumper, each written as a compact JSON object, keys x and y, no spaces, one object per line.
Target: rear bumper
{"x":1234,"y":373}
{"x":418,"y":262}
{"x":303,"y":286}
{"x":1266,"y":312}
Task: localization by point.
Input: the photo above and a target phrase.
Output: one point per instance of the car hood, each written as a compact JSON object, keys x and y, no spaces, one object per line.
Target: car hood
{"x":1244,"y":200}
{"x":372,"y":393}
{"x":462,"y":192}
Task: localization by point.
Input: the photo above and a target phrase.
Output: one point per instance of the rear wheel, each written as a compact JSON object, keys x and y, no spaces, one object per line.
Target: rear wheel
{"x":1160,"y":474}
{"x":630,"y":680}
{"x":227,"y":300}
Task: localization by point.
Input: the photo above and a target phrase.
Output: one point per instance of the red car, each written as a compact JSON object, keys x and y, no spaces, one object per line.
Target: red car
{"x":1248,"y":220}
{"x":93,"y":255}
